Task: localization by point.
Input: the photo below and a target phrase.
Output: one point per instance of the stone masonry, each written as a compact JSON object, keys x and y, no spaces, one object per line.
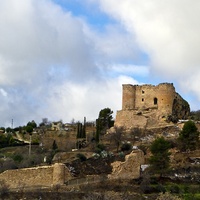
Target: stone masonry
{"x":130,"y":169}
{"x":146,"y":106}
{"x":44,"y":176}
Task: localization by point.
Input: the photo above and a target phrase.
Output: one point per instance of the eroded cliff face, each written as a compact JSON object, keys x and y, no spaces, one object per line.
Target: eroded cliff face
{"x":149,"y":106}
{"x":180,"y":108}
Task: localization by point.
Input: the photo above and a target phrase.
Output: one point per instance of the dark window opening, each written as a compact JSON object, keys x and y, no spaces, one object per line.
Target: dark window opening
{"x":142,"y":99}
{"x":155,"y":101}
{"x":142,"y":91}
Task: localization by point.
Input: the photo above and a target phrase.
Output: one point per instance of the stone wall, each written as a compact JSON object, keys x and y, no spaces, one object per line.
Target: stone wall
{"x":44,"y":176}
{"x":130,"y":119}
{"x":130,"y":168}
{"x":148,"y":96}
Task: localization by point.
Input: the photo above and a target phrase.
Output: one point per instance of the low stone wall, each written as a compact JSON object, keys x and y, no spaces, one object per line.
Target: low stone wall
{"x":58,"y":174}
{"x":44,"y":176}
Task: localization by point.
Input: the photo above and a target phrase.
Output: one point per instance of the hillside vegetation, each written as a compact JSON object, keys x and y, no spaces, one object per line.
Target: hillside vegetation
{"x":174,"y":170}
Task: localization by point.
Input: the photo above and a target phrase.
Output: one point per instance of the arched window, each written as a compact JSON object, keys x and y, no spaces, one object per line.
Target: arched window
{"x":155,"y":100}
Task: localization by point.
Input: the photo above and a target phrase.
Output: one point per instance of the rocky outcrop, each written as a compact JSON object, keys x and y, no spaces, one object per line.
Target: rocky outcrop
{"x":130,"y":168}
{"x":181,"y":108}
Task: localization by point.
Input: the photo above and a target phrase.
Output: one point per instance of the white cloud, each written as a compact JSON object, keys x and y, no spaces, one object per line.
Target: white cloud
{"x":77,"y":101}
{"x":54,"y":65}
{"x":168,"y":32}
{"x":3,"y":92}
{"x":37,"y":35}
{"x":130,"y":69}
{"x":114,"y":43}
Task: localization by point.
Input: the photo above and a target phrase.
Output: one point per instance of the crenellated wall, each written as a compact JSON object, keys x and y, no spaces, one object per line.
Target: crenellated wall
{"x":148,"y":96}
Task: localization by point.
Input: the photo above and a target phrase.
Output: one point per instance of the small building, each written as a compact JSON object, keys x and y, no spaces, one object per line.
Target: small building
{"x":56,"y":126}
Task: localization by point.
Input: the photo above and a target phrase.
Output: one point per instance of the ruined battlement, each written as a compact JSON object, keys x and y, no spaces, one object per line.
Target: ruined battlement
{"x":148,"y":96}
{"x":160,"y":100}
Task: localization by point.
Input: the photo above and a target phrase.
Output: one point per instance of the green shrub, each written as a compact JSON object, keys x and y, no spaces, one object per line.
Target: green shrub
{"x":160,"y":188}
{"x":186,"y":188}
{"x":99,"y":148}
{"x":17,"y":158}
{"x":126,"y":146}
{"x":175,"y":189}
{"x":35,"y":141}
{"x":188,"y":137}
{"x":81,"y":156}
{"x":147,"y":189}
{"x":121,"y":154}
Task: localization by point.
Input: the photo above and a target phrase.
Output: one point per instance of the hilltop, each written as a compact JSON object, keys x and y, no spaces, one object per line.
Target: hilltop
{"x":97,"y":160}
{"x":111,"y":158}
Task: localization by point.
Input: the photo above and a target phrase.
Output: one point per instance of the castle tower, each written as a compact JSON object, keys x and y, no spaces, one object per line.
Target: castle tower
{"x":165,"y":95}
{"x":144,"y":105}
{"x":128,"y":97}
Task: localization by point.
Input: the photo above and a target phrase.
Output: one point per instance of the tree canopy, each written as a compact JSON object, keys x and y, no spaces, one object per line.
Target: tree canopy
{"x":104,"y":121}
{"x":29,"y":129}
{"x":189,"y":136}
{"x":195,"y":115}
{"x":81,"y":129}
{"x":8,"y":140}
{"x":32,"y":124}
{"x":2,"y":129}
{"x":160,"y":155}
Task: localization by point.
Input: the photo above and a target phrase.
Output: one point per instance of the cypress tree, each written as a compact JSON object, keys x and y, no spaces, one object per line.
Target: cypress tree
{"x":78,"y":135}
{"x":84,"y":129}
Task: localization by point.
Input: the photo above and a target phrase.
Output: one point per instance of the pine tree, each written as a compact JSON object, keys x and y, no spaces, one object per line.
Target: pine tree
{"x":105,"y":120}
{"x":189,"y":136}
{"x":160,"y":155}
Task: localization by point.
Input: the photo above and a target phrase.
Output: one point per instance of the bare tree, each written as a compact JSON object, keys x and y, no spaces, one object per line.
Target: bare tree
{"x":116,"y":135}
{"x":136,"y":133}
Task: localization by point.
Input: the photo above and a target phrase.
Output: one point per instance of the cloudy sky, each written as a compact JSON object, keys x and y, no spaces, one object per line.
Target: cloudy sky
{"x":65,"y":59}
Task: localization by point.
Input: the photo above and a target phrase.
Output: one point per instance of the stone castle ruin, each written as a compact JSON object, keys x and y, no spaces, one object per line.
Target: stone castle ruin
{"x":147,"y":106}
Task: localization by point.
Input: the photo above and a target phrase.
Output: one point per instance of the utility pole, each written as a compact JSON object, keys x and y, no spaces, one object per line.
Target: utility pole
{"x":12,"y":124}
{"x":29,"y":153}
